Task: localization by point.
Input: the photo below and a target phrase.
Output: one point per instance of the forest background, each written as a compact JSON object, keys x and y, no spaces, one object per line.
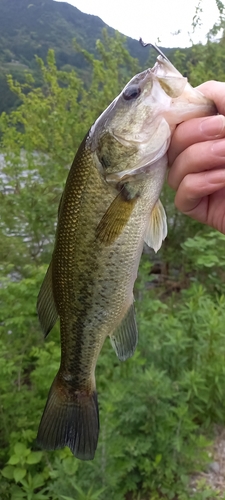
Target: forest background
{"x":158,"y":410}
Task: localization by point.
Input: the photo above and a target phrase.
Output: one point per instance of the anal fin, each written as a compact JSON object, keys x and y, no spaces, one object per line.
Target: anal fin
{"x":46,"y":308}
{"x":124,"y":339}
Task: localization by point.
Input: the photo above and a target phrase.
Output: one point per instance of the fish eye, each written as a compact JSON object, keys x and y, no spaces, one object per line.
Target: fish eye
{"x":131,"y":92}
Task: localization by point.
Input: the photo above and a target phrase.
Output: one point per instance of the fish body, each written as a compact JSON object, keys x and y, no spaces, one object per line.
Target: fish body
{"x":109,"y":207}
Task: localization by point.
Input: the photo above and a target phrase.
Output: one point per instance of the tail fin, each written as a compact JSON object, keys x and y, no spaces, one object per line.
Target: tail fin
{"x":71,"y":419}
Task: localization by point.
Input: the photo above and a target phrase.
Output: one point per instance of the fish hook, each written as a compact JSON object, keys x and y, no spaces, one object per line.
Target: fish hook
{"x":154,"y":47}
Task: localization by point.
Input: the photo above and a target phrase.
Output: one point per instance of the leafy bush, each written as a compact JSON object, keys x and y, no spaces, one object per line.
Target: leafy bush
{"x":157,"y":409}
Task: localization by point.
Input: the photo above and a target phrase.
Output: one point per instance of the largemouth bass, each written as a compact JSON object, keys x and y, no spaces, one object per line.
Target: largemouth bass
{"x":110,"y":206}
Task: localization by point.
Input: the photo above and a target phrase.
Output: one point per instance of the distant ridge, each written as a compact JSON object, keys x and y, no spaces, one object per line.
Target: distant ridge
{"x":32,"y":27}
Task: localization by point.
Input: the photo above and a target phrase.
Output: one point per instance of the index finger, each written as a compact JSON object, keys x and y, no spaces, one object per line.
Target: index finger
{"x":200,"y":129}
{"x":194,"y":131}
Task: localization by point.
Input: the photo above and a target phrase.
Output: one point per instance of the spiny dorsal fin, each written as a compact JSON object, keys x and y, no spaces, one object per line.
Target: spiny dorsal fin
{"x":124,"y":339}
{"x":156,"y":230}
{"x":115,"y":219}
{"x":46,"y":308}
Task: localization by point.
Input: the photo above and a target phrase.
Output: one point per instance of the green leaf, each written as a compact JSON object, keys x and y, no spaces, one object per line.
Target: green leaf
{"x":70,"y":465}
{"x":17,"y":493}
{"x":40,"y":496}
{"x":19,"y":474}
{"x":158,"y":459}
{"x":20,"y":449}
{"x":7,"y":472}
{"x":38,"y":481}
{"x":14,"y":459}
{"x":34,"y":457}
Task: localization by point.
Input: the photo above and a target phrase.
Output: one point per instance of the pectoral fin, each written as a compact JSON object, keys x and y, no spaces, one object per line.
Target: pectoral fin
{"x":124,"y":339}
{"x":115,"y":219}
{"x":156,"y":230}
{"x":46,"y":308}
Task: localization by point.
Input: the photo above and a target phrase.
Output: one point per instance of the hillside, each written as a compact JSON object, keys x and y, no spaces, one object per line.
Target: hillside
{"x":31,"y":27}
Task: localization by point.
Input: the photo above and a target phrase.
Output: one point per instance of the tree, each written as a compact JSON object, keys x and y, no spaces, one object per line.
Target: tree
{"x":156,"y":407}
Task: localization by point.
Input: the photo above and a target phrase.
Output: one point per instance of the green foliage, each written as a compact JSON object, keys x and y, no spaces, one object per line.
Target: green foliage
{"x":206,"y":252}
{"x":151,"y":437}
{"x":38,"y":143}
{"x":18,"y":469}
{"x":30,"y":28}
{"x":207,"y":62}
{"x":157,"y":409}
{"x":35,"y":27}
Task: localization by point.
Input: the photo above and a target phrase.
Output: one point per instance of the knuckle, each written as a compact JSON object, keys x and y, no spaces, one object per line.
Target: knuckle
{"x":188,"y":185}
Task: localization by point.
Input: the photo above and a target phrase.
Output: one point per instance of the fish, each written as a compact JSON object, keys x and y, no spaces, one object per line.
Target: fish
{"x":110,"y":206}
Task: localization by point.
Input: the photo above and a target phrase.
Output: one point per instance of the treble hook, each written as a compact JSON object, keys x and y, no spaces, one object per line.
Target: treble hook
{"x":154,"y":47}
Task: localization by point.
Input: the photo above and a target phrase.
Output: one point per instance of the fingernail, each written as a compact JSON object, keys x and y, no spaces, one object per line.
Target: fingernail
{"x":213,"y":126}
{"x":218,"y":148}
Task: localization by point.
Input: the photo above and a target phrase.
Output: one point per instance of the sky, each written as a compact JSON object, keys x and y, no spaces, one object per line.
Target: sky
{"x":154,"y":20}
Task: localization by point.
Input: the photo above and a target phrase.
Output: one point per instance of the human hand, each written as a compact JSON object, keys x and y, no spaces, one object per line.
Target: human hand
{"x":197,"y":159}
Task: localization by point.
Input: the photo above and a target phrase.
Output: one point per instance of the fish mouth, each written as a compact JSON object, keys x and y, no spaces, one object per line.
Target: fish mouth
{"x":163,"y":67}
{"x":140,"y":78}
